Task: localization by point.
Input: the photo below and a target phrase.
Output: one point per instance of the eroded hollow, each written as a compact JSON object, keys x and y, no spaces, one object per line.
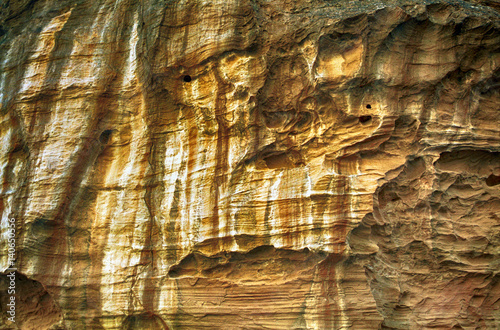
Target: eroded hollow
{"x":35,"y":307}
{"x":104,"y":138}
{"x":288,"y":159}
{"x":261,"y":263}
{"x":187,"y":78}
{"x":365,"y":119}
{"x":493,"y":180}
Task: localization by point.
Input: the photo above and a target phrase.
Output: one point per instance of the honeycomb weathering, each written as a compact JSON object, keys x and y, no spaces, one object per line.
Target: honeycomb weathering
{"x":251,"y":164}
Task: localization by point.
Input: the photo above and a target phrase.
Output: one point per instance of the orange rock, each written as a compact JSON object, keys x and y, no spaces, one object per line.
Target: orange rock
{"x":251,"y":164}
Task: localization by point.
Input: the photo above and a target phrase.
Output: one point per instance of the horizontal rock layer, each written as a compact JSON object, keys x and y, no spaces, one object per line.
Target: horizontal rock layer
{"x":251,"y":164}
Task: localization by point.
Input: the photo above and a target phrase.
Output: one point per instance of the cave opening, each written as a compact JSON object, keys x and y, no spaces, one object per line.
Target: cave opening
{"x":187,"y":78}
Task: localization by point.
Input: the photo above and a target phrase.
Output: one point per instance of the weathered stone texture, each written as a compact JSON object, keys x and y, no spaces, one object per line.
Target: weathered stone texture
{"x":251,"y":164}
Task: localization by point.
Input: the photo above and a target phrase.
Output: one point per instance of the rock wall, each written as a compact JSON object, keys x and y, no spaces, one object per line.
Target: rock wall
{"x":192,"y":164}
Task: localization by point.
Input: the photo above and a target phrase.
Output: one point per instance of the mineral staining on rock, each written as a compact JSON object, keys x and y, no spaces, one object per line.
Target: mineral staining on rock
{"x":251,"y":164}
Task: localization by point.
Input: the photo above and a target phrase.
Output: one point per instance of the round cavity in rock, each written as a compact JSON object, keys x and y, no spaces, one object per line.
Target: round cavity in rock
{"x":104,"y":138}
{"x":187,"y":78}
{"x":365,"y":119}
{"x":368,"y":106}
{"x":492,"y":180}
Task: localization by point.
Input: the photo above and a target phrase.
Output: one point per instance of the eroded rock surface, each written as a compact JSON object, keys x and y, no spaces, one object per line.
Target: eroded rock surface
{"x":251,"y":164}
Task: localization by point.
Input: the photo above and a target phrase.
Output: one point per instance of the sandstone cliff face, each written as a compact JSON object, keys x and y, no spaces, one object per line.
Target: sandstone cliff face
{"x":251,"y":164}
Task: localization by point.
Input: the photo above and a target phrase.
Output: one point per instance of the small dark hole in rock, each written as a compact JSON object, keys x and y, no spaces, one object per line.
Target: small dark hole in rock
{"x":104,"y":138}
{"x":492,"y":180}
{"x":364,"y":119}
{"x":187,"y":78}
{"x":18,"y":147}
{"x":368,"y":106}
